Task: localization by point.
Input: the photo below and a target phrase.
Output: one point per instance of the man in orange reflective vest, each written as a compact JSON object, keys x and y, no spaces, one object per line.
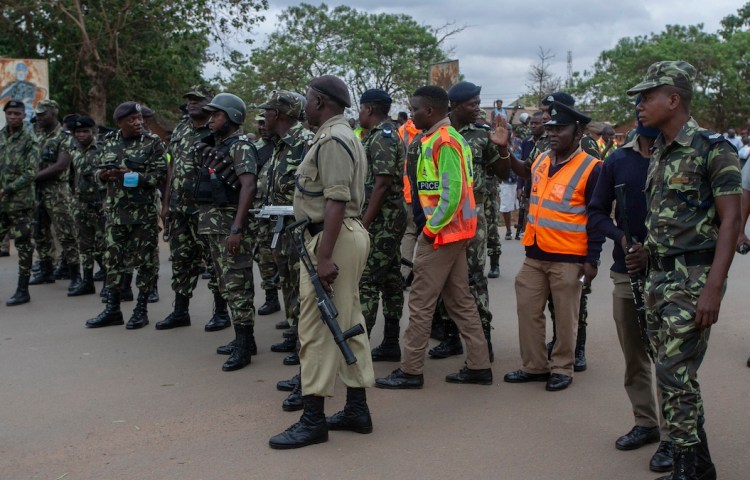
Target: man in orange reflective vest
{"x":442,"y":180}
{"x":561,"y":256}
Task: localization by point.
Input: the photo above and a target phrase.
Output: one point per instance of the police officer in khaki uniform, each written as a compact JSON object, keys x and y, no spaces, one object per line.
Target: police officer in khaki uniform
{"x":330,"y":192}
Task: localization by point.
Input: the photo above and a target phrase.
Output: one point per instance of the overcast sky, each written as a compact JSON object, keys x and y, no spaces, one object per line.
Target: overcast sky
{"x":503,"y":37}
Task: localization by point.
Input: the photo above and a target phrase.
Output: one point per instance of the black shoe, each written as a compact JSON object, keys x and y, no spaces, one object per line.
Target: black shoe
{"x":557,"y":382}
{"x":85,"y":286}
{"x":139,"y":318}
{"x":180,"y":316}
{"x":153,"y":295}
{"x":44,"y":275}
{"x":494,"y":266}
{"x":226,"y":349}
{"x":704,"y":466}
{"x":220,"y":319}
{"x":272,"y":304}
{"x":508,"y":235}
{"x":241,"y":354}
{"x":519,"y":376}
{"x":111,"y":314}
{"x":291,"y":359}
{"x":447,"y":348}
{"x":388,"y":351}
{"x":126,"y":289}
{"x":103,"y":294}
{"x":293,"y":402}
{"x":74,"y":274}
{"x":684,"y":461}
{"x":288,"y":345}
{"x":637,"y":437}
{"x":206,"y":275}
{"x":288,"y":333}
{"x":467,"y":375}
{"x":4,"y":253}
{"x":288,"y":385}
{"x":661,"y":461}
{"x":61,"y":272}
{"x":400,"y":380}
{"x":22,"y":293}
{"x":355,"y":417}
{"x":311,"y":428}
{"x":100,"y":275}
{"x":550,"y":346}
{"x":282,"y":325}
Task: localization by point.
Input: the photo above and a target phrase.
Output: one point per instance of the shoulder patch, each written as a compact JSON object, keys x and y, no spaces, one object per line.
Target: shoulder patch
{"x":387,"y":131}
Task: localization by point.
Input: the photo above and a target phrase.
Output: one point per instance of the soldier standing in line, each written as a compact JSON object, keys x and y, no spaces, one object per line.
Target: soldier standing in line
{"x":385,"y":218}
{"x":18,"y":162}
{"x":224,"y":208}
{"x":138,"y":169}
{"x":693,"y":192}
{"x":89,"y":202}
{"x":52,"y":183}
{"x":180,"y":213}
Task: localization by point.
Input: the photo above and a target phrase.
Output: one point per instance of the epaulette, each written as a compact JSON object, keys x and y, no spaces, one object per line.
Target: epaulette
{"x":483,"y":126}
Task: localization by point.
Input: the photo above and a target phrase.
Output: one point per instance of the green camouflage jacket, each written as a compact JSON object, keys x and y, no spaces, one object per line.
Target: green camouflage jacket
{"x":184,"y":165}
{"x":484,"y":153}
{"x":19,"y":157}
{"x":85,"y":161}
{"x":287,"y":155}
{"x":683,"y":179}
{"x":50,"y":146}
{"x":386,"y":154}
{"x":145,"y":155}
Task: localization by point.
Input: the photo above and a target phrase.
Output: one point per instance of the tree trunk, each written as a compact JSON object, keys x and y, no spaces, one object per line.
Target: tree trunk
{"x":98,"y":99}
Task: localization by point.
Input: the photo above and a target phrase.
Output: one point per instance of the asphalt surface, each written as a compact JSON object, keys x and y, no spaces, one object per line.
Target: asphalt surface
{"x":147,"y":404}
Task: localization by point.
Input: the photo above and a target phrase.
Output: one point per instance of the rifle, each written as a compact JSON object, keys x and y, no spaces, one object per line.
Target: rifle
{"x":274,"y":212}
{"x":636,"y":281}
{"x":328,"y":312}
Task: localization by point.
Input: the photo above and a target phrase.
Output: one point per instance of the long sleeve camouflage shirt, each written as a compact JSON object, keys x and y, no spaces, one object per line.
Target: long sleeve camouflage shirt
{"x":185,"y":166}
{"x":85,"y":161}
{"x":386,"y":154}
{"x":287,"y":156}
{"x":51,"y":145}
{"x":19,"y":158}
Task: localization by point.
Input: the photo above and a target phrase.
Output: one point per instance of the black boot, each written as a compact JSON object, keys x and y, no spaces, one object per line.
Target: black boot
{"x":494,"y":266}
{"x":355,"y":417}
{"x":684,"y":464}
{"x":288,"y":345}
{"x":44,"y":275}
{"x":272,"y":303}
{"x":111,"y":314}
{"x":104,"y":294}
{"x":153,"y":295}
{"x":62,"y":272}
{"x":311,"y":428}
{"x":74,"y":273}
{"x":288,"y":385}
{"x":85,"y":286}
{"x":241,"y":356}
{"x":101,"y":274}
{"x":451,"y":345}
{"x":389,"y":350}
{"x":220,"y":319}
{"x":139,"y":318}
{"x":704,"y":466}
{"x":291,"y":359}
{"x":293,"y":401}
{"x":22,"y":292}
{"x":226,"y":349}
{"x":487,"y":329}
{"x":126,"y":290}
{"x":579,"y":364}
{"x":180,"y":316}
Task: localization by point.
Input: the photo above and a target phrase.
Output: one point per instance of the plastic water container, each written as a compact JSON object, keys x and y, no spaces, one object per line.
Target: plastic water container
{"x":130,"y":180}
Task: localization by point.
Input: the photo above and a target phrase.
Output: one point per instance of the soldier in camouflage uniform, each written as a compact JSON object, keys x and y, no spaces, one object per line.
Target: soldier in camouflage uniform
{"x":53,"y":191}
{"x":18,"y":162}
{"x":132,"y":166}
{"x":282,"y":112}
{"x":180,"y":214}
{"x":224,"y":207}
{"x":693,"y":220}
{"x":89,"y":202}
{"x":385,"y":218}
{"x":491,"y":209}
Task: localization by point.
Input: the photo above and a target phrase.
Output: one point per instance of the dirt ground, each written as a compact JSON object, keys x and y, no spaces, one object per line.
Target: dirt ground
{"x":147,"y":404}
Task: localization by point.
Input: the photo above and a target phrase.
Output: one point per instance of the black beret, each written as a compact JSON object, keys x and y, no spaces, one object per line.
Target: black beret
{"x":84,"y":121}
{"x":147,"y":112}
{"x":375,"y":95}
{"x":14,"y":104}
{"x":463,"y":91}
{"x":560,"y":97}
{"x":125,"y":109}
{"x":70,"y":120}
{"x":334,"y":87}
{"x":564,"y":115}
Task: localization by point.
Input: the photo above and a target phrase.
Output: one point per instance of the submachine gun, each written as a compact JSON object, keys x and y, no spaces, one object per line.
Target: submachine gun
{"x":277,"y":213}
{"x":327,"y":309}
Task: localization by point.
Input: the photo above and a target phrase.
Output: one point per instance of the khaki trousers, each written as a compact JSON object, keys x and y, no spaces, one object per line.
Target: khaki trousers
{"x":442,"y":271}
{"x":534,"y":283}
{"x":639,"y":381}
{"x":320,"y":357}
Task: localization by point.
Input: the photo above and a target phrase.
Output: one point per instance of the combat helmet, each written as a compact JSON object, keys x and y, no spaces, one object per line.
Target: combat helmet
{"x":230,"y":104}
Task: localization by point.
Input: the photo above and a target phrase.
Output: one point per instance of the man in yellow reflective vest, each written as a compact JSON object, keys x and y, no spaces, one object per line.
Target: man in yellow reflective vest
{"x":561,"y":256}
{"x":442,"y":188}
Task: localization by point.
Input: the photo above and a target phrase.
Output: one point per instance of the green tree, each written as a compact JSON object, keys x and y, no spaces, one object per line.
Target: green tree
{"x":388,"y":51}
{"x":104,"y":52}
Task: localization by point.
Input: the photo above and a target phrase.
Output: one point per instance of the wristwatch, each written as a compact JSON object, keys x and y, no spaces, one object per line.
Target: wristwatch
{"x":234,"y":229}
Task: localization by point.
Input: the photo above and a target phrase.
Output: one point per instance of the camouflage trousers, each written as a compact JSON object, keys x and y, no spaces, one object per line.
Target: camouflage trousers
{"x":234,"y":274}
{"x":263,"y":256}
{"x":18,"y":224}
{"x":671,"y":299}
{"x":56,"y":204}
{"x":491,"y":209}
{"x":382,"y":272}
{"x":90,"y":227}
{"x":188,"y":249}
{"x":287,"y":263}
{"x":583,"y":311}
{"x":131,"y":247}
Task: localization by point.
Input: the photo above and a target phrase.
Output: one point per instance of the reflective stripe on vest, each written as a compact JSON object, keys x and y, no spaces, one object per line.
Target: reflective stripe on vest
{"x":557,"y":206}
{"x":406,"y":135}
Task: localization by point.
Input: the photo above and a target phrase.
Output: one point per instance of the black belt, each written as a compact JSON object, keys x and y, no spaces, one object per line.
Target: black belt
{"x":690,"y":259}
{"x":314,"y":228}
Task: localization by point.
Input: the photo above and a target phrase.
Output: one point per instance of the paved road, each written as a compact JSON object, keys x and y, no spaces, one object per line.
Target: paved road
{"x":117,"y":404}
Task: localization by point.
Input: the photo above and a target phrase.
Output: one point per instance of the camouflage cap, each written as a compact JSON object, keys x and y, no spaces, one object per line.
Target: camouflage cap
{"x":45,"y":105}
{"x":200,"y":91}
{"x":285,"y":102}
{"x":676,"y":73}
{"x":14,"y":104}
{"x":261,"y":117}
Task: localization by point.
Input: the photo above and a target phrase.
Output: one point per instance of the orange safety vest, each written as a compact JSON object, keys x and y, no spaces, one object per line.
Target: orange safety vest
{"x":463,"y":224}
{"x":407,"y":132}
{"x":557,"y":206}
